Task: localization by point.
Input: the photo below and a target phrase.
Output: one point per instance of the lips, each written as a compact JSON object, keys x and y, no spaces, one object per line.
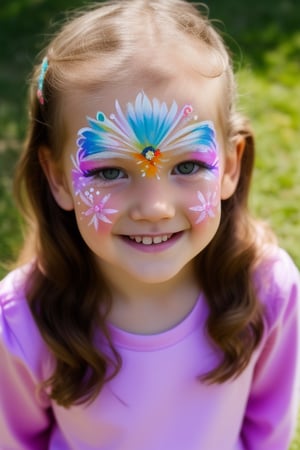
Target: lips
{"x":150,"y":240}
{"x":148,"y":243}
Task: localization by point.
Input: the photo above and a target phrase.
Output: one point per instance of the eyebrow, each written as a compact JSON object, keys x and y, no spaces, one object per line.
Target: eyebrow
{"x":90,"y":162}
{"x":106,"y":154}
{"x":209,"y":156}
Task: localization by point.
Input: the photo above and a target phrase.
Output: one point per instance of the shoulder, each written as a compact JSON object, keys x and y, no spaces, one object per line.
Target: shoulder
{"x":12,"y":292}
{"x":14,"y":282}
{"x":20,"y":338}
{"x":277,"y":282}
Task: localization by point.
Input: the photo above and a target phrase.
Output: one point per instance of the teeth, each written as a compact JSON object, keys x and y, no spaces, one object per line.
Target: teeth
{"x":149,"y":240}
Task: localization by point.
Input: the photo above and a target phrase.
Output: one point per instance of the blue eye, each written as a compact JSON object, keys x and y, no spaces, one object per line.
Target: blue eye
{"x":111,"y":173}
{"x":187,"y":168}
{"x":191,"y":167}
{"x":106,"y":174}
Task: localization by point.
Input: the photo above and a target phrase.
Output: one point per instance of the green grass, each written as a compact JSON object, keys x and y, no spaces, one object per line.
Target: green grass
{"x":265,"y":38}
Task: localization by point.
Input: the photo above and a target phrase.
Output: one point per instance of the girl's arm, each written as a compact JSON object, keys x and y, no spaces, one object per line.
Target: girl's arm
{"x":25,"y":415}
{"x":273,"y":404}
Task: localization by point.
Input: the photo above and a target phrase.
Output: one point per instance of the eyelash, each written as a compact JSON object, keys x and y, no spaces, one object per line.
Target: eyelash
{"x":99,"y":173}
{"x":198,"y":165}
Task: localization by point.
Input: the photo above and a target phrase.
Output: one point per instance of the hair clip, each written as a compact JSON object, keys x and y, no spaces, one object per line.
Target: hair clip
{"x":44,"y":68}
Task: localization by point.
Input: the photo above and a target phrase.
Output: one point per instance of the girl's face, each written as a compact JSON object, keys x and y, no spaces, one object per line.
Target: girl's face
{"x":145,"y":173}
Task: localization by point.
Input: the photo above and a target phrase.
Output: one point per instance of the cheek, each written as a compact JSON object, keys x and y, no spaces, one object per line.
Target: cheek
{"x":204,"y":204}
{"x":95,"y":209}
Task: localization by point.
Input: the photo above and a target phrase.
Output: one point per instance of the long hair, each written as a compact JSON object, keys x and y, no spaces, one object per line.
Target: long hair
{"x":67,"y":296}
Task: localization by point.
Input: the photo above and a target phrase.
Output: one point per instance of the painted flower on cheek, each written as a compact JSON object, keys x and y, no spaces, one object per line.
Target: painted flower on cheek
{"x":207,"y":205}
{"x":90,"y":197}
{"x":96,"y":207}
{"x":146,"y":132}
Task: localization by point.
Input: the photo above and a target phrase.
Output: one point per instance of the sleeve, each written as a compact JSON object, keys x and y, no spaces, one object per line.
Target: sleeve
{"x":25,"y":415}
{"x":272,"y":409}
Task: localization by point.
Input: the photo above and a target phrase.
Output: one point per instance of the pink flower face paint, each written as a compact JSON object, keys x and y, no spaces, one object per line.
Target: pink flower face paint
{"x":207,"y":207}
{"x":96,"y":207}
{"x":91,"y":197}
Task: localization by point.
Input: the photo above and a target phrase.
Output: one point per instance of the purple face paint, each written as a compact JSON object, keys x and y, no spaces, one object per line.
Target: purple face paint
{"x":209,"y":159}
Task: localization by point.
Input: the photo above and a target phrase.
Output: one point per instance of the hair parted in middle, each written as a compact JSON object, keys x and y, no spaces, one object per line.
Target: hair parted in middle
{"x":68,"y":298}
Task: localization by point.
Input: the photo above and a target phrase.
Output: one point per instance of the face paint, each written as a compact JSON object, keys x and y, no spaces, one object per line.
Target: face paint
{"x":208,"y":159}
{"x":146,"y":132}
{"x":96,"y":207}
{"x":207,"y":207}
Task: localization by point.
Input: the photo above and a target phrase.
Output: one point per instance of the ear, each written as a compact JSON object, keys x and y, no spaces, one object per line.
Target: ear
{"x":232,"y":167}
{"x":56,"y":179}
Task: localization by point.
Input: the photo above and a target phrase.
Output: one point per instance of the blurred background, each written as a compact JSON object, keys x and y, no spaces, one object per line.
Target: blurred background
{"x":264,"y":37}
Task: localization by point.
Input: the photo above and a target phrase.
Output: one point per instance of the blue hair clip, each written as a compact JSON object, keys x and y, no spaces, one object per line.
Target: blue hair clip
{"x":44,"y":68}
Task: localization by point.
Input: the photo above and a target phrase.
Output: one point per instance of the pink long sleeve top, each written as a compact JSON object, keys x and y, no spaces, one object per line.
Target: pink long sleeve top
{"x":157,"y":401}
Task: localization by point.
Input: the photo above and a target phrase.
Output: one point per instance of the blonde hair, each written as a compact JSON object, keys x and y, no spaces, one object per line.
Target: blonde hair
{"x":93,"y":48}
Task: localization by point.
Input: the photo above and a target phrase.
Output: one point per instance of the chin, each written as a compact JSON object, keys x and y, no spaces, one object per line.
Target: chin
{"x":154,"y":277}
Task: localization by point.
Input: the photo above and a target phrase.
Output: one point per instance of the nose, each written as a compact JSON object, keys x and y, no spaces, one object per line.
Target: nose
{"x":152,"y":201}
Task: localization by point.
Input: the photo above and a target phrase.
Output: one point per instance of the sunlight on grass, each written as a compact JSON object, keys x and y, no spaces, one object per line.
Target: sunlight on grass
{"x":273,"y":109}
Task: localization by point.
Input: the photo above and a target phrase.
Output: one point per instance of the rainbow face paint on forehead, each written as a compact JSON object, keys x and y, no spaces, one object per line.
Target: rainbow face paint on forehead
{"x":146,"y":132}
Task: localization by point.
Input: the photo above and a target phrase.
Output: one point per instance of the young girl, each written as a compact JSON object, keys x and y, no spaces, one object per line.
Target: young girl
{"x":153,"y":313}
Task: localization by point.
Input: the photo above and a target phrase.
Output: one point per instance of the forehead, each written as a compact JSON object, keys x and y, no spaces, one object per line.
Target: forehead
{"x":204,"y":95}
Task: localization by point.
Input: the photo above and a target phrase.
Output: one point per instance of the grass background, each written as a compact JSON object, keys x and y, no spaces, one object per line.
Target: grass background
{"x":265,"y":39}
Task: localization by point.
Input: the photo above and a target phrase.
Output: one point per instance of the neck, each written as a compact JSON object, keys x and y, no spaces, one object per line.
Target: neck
{"x":152,"y":308}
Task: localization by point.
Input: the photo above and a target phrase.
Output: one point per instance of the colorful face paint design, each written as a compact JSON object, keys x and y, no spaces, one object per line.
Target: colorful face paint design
{"x":207,"y":205}
{"x":90,"y":197}
{"x":146,"y":132}
{"x":78,"y":178}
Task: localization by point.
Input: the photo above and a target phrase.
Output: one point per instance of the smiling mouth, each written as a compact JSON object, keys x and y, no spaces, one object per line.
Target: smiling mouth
{"x":150,"y":240}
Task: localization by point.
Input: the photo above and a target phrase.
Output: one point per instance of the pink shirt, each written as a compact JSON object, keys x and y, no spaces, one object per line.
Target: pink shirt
{"x":156,"y":402}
